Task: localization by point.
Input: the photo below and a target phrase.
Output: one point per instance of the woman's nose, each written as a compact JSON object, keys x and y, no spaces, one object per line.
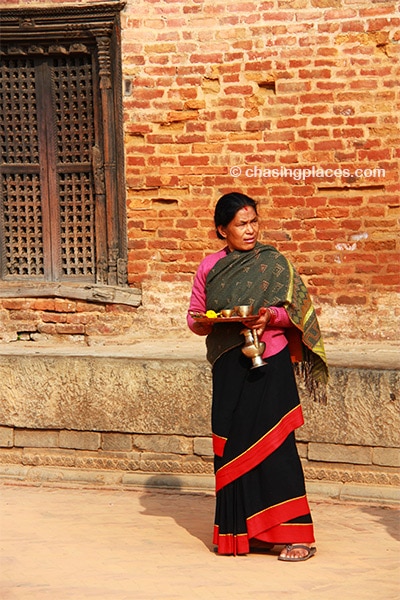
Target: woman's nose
{"x":250,"y":227}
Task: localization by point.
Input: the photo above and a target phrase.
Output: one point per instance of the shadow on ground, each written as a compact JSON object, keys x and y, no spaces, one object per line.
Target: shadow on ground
{"x":387,"y":517}
{"x":178,"y":505}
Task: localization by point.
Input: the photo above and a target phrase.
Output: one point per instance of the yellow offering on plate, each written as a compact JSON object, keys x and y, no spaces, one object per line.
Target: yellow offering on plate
{"x":211,"y":314}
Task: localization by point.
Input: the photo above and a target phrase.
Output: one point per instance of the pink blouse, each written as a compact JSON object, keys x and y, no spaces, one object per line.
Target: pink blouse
{"x":274,"y":334}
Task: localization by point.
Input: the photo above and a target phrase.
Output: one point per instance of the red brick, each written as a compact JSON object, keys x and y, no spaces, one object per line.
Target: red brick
{"x":70,"y":328}
{"x":291,"y":123}
{"x":313,"y":132}
{"x":23,"y":315}
{"x":290,"y":87}
{"x":45,"y":304}
{"x":16,"y":303}
{"x":51,"y":317}
{"x":314,"y":73}
{"x":206,"y":58}
{"x":47,"y":328}
{"x":61,"y":305}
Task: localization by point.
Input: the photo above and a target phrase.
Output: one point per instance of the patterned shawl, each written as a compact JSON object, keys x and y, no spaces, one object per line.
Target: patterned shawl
{"x":264,"y":277}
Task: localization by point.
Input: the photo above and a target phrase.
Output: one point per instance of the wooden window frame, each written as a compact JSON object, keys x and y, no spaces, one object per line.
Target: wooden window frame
{"x":99,"y":26}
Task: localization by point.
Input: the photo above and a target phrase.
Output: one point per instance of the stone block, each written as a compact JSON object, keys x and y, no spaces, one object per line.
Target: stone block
{"x":54,"y":457}
{"x":389,"y":457}
{"x":173,"y":463}
{"x":6,"y":437}
{"x":164,"y":396}
{"x":116,"y":442}
{"x":163,"y":443}
{"x":80,"y":440}
{"x":117,"y":461}
{"x":166,"y":402}
{"x":360,"y":409}
{"x":27,"y":438}
{"x":333,"y":453}
{"x":382,"y":494}
{"x":203,"y":446}
{"x":10,"y":456}
{"x":302,"y":449}
{"x":154,"y":462}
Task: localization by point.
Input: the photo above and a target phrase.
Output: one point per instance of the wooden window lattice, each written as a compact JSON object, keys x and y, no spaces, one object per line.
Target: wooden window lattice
{"x":74,"y":109}
{"x":23,"y":230}
{"x":23,"y":225}
{"x":18,"y":126}
{"x":72,"y":79}
{"x":62,"y":202}
{"x":67,"y":139}
{"x":77,"y":219}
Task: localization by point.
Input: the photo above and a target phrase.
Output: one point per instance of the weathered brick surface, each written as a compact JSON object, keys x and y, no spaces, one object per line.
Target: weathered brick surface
{"x":119,"y":442}
{"x":353,"y":438}
{"x":203,"y":447}
{"x":28,"y":438}
{"x":80,"y":440}
{"x":6,"y":437}
{"x":269,"y":86}
{"x":173,"y":444}
{"x":260,"y":86}
{"x":386,"y":456}
{"x":358,"y":455}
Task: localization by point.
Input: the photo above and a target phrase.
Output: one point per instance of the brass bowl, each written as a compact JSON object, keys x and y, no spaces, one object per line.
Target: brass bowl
{"x":227,"y":312}
{"x":244,"y":310}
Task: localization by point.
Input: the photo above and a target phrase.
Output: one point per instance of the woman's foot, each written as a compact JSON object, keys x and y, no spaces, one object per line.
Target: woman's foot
{"x":297,"y":552}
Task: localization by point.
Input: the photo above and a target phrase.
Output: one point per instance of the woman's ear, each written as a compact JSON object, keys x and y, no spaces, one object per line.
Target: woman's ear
{"x":221,"y":230}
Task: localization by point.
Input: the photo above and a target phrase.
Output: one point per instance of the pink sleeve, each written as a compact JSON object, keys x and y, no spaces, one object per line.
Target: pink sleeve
{"x":198,"y":299}
{"x":198,"y":302}
{"x":279,"y":318}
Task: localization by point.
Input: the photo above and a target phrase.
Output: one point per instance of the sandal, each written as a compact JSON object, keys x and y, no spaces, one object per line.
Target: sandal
{"x":289,"y":547}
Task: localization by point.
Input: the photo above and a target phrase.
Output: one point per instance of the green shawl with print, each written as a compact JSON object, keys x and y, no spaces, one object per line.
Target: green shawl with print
{"x":264,"y":277}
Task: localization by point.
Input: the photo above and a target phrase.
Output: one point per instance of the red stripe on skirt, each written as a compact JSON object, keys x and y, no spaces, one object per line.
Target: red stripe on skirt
{"x":288,"y":533}
{"x":260,"y":450}
{"x":230,"y":543}
{"x":218,"y":444}
{"x":270,"y":524}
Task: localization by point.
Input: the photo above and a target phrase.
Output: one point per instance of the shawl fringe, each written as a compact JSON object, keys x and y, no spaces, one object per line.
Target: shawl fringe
{"x":316,"y":389}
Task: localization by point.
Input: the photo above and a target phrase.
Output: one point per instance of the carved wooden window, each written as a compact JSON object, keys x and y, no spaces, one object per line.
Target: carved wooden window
{"x":62,"y":209}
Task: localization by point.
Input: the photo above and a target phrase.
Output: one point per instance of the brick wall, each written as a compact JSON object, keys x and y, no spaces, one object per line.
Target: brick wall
{"x":268,"y":85}
{"x":256,"y":85}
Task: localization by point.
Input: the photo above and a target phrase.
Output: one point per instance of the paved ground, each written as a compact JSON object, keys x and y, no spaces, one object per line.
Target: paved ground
{"x":68,"y":543}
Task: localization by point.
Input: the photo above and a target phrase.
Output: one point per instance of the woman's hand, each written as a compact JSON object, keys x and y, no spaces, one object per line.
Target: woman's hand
{"x":264,"y":316}
{"x":202,"y":328}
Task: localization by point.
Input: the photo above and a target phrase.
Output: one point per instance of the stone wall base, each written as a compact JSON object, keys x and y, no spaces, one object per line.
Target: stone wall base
{"x":382,"y":495}
{"x":119,"y":416}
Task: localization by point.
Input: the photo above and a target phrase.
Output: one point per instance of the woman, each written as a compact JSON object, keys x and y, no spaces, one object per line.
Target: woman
{"x":260,"y":493}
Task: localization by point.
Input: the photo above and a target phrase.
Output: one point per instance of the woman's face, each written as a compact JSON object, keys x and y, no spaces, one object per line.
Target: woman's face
{"x":242,"y":232}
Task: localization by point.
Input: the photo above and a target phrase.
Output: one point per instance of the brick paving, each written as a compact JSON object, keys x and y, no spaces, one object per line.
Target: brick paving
{"x":63,"y":543}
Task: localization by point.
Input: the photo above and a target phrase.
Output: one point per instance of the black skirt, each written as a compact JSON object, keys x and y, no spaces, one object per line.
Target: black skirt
{"x":260,"y":491}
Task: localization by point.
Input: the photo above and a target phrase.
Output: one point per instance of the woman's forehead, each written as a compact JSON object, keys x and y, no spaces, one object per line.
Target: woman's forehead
{"x":247,"y":212}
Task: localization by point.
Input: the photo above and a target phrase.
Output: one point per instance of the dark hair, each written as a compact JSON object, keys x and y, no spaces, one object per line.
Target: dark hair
{"x":227,"y":207}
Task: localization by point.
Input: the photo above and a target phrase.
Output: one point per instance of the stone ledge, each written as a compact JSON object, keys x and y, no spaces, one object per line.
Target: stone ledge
{"x":348,"y":492}
{"x":136,"y":414}
{"x":341,"y":353}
